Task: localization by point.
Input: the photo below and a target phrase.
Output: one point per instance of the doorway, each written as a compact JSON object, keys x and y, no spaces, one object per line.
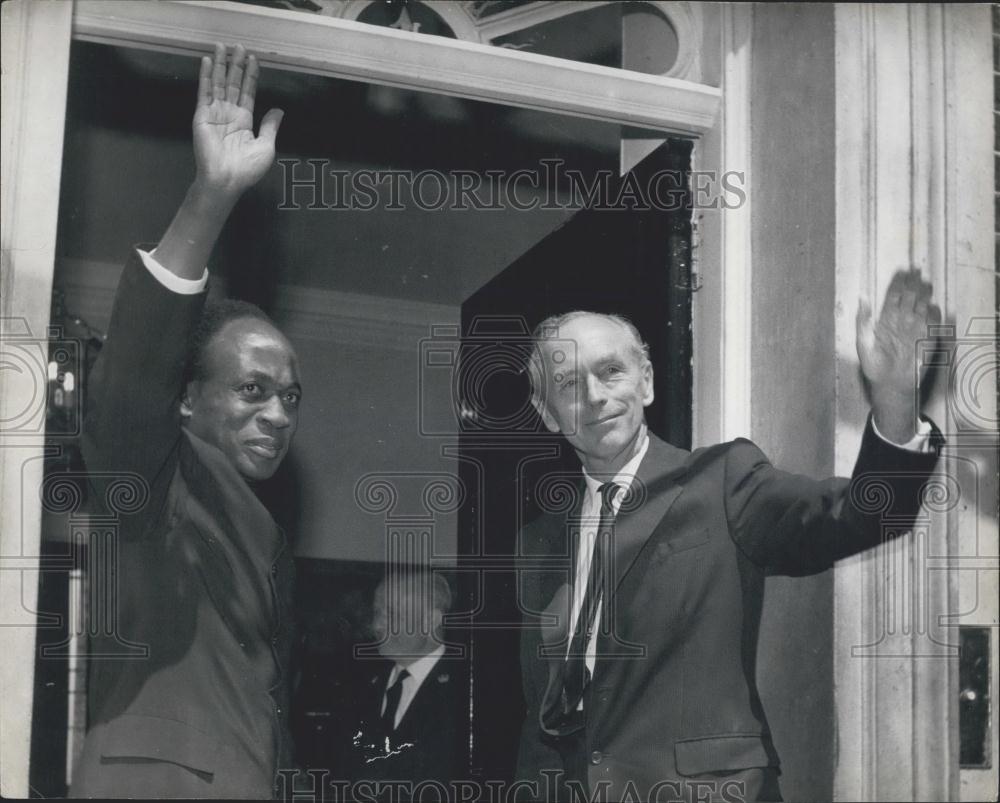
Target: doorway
{"x":635,"y":262}
{"x":112,"y":153}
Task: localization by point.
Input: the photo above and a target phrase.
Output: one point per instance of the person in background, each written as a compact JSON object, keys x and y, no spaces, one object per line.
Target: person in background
{"x":410,"y":718}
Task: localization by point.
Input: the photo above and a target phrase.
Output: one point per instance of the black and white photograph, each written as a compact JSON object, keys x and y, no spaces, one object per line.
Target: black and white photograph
{"x":497,"y":401}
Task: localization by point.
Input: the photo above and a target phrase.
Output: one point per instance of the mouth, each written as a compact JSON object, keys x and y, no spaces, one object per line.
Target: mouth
{"x":267,"y":448}
{"x":604,"y":420}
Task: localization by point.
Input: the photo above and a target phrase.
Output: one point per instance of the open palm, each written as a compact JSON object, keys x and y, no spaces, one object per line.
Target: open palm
{"x":887,"y":347}
{"x":228,"y":155}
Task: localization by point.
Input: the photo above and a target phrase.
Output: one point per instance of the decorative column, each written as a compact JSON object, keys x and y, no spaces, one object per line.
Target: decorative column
{"x":913,"y":155}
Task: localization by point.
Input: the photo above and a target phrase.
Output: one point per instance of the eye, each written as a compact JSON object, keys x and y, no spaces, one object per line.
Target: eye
{"x":292,"y":398}
{"x":251,"y":389}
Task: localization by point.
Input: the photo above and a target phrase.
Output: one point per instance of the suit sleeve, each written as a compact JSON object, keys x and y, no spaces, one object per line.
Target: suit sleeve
{"x":533,"y":754}
{"x":792,"y":524}
{"x":132,"y":423}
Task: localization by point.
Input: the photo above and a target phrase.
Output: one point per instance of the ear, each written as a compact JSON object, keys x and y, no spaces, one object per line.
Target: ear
{"x":547,"y":418}
{"x":647,"y":380}
{"x":186,"y":407}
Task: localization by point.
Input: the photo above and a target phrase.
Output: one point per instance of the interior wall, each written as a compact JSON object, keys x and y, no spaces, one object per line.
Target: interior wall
{"x":793,"y":362}
{"x":359,"y":417}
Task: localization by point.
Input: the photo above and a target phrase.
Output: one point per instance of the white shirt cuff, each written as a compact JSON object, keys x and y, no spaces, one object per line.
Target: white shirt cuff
{"x":173,"y":282}
{"x":921,"y":442}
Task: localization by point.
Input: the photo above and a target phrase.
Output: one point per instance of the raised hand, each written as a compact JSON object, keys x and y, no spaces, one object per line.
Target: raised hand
{"x":887,"y":349}
{"x":229,"y":157}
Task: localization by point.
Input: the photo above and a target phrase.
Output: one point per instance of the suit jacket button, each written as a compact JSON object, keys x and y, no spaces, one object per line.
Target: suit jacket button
{"x":596,"y":757}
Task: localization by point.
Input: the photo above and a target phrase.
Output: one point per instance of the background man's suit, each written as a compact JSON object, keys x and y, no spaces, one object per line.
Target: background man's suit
{"x":690,"y":554}
{"x":203,"y":579}
{"x":424,"y":743}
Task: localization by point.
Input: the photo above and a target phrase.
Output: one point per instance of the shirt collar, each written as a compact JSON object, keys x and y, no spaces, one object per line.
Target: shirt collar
{"x":624,"y":478}
{"x":420,"y":668}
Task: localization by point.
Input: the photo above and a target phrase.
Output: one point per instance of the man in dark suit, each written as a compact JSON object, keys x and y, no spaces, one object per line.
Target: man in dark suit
{"x":639,"y":650}
{"x":411,"y":710}
{"x":196,"y":706}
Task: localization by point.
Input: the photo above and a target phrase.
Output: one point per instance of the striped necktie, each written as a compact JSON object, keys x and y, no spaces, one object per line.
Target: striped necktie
{"x":577,"y":675}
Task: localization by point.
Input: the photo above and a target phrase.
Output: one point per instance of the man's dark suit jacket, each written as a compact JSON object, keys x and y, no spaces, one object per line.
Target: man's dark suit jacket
{"x":692,"y":547}
{"x":425,"y":744}
{"x":203,"y":581}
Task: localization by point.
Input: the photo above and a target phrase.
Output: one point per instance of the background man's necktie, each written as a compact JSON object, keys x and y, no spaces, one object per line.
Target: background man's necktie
{"x":392,"y":701}
{"x":577,"y":675}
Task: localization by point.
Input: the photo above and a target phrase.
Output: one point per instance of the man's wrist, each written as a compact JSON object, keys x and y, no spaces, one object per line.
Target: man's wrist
{"x":212,"y":198}
{"x":895,"y":414}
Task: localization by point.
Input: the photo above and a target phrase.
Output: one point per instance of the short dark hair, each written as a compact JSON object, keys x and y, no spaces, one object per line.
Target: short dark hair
{"x":214,"y":317}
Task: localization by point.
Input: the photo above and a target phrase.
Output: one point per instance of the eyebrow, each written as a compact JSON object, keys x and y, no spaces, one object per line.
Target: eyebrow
{"x":260,"y":376}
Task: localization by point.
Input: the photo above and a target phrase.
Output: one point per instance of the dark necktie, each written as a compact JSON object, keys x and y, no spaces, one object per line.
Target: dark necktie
{"x":577,"y":675}
{"x":392,"y":701}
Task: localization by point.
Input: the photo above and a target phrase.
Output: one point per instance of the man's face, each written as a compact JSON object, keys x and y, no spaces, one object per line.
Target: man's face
{"x":403,"y":624}
{"x":247,"y":404}
{"x":596,"y":396}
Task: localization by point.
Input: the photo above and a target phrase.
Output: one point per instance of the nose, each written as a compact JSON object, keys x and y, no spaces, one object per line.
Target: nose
{"x":596,"y":392}
{"x":275,"y":414}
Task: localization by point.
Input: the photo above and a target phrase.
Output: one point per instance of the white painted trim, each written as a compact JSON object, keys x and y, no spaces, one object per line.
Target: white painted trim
{"x":36,"y":39}
{"x":737,"y":269}
{"x":518,"y":18}
{"x":355,"y":51}
{"x":331,"y":316}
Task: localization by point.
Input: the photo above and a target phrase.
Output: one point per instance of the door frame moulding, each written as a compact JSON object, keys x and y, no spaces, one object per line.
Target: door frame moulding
{"x":351,"y":50}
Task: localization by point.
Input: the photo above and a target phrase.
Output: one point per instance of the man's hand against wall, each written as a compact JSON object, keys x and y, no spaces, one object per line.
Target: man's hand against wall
{"x":887,"y":348}
{"x":229,"y":157}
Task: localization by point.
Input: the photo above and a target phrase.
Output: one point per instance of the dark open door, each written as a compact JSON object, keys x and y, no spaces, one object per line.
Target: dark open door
{"x":632,"y":261}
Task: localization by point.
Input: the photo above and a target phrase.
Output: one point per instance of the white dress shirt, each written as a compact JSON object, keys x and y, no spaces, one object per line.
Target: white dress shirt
{"x":419,"y":670}
{"x":169,"y":279}
{"x":590,"y":517}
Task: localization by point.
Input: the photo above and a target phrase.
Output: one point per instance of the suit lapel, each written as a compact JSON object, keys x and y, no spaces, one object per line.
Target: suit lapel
{"x":653,"y":492}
